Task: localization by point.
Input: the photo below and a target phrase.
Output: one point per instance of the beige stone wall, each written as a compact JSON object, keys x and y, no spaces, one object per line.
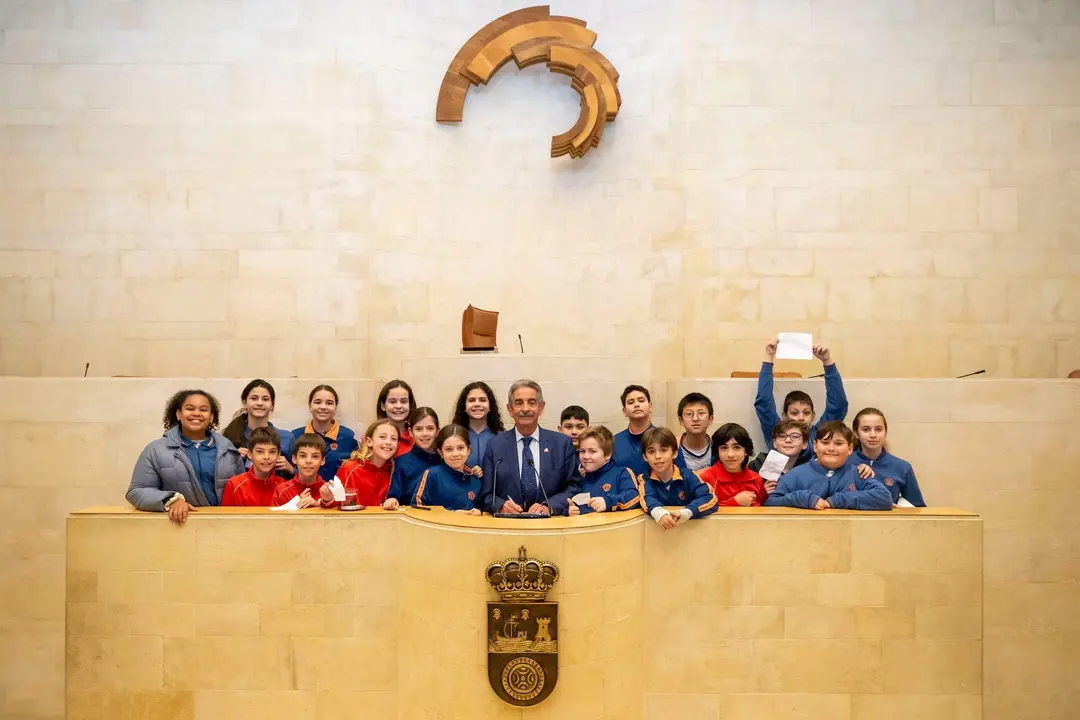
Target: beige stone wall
{"x":259,"y":188}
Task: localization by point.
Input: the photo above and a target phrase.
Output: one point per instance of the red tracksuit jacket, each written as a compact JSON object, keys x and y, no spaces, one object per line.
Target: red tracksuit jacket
{"x":249,"y":490}
{"x":727,"y":486}
{"x":369,"y":482}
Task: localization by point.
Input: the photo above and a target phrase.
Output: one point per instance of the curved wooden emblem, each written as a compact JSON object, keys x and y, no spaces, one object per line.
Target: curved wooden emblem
{"x":530,"y":36}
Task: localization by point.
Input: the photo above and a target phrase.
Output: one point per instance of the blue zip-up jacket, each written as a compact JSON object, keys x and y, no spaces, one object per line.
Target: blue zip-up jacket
{"x":802,"y":486}
{"x":685,"y":489}
{"x":836,"y":405}
{"x":408,"y":469}
{"x":627,"y":453}
{"x":453,"y":490}
{"x":615,"y":484}
{"x":340,"y":444}
{"x":896,"y":475}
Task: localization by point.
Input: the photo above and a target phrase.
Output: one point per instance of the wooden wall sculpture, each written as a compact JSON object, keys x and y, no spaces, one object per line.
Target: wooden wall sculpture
{"x":530,"y":36}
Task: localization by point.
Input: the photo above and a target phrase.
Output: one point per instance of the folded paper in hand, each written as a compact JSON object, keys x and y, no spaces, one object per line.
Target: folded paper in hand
{"x":795,"y":346}
{"x":774,"y":465}
{"x":337,"y":488}
{"x":581,"y":498}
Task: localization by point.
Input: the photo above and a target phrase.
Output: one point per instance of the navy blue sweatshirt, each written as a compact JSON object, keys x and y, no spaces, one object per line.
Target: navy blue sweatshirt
{"x":801,"y":487}
{"x":613,"y":483}
{"x":836,"y":404}
{"x":453,"y":490}
{"x":408,"y":469}
{"x":684,"y":489}
{"x":896,"y":475}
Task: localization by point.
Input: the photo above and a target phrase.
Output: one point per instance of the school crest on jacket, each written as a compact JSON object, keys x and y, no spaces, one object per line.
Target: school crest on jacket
{"x":523,"y":630}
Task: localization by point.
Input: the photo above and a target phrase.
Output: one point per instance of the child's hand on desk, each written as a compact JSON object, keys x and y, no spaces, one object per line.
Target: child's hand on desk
{"x":474,"y":511}
{"x":822,"y":504}
{"x":574,"y":510}
{"x":598,"y":504}
{"x":667,"y":521}
{"x":307,"y":501}
{"x":745,"y":498}
{"x":178,"y":511}
{"x":391,"y":504}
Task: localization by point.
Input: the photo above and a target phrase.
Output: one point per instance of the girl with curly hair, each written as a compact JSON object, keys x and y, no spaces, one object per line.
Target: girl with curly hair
{"x":189,"y":464}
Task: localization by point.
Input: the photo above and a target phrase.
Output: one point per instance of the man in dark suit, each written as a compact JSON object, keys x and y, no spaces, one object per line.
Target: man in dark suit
{"x":529,"y":469}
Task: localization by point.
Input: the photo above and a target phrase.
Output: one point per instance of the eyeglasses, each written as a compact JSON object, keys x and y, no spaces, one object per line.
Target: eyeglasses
{"x":700,"y":415}
{"x":790,"y":437}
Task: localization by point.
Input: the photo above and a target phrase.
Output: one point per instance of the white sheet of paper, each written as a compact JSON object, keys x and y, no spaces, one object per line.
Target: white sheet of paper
{"x":293,"y":504}
{"x":774,"y":465}
{"x":795,"y":346}
{"x":581,"y":498}
{"x":903,"y":503}
{"x":337,"y":488}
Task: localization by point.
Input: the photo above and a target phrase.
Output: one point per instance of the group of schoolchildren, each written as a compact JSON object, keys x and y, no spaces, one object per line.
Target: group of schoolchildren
{"x":405,"y":458}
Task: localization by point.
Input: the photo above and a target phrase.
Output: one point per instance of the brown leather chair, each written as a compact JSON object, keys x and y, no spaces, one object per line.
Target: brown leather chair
{"x":478,"y":329}
{"x":755,"y":373}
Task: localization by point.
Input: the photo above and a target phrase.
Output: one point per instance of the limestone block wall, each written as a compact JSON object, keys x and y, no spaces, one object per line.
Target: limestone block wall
{"x":259,"y":188}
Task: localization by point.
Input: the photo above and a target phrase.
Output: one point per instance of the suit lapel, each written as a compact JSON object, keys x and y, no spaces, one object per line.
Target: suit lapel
{"x":512,"y":459}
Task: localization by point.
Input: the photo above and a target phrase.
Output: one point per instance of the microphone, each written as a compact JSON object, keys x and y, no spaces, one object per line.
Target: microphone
{"x":86,"y":369}
{"x":977,"y":372}
{"x":547,"y":500}
{"x":495,"y":487}
{"x":521,"y":344}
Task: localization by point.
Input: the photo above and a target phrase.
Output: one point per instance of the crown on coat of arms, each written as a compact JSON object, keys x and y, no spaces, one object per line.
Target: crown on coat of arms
{"x":522,"y":579}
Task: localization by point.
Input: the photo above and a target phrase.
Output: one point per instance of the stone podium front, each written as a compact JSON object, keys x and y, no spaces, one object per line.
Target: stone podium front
{"x":756,"y":614}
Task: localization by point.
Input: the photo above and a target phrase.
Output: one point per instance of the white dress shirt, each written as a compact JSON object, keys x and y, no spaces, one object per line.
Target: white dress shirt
{"x":534,"y":447}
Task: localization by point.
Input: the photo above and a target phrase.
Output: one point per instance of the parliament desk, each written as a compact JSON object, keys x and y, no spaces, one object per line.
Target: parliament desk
{"x":751,"y":614}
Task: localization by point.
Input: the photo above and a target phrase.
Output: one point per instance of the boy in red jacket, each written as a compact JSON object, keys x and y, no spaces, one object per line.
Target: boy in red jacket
{"x":309,"y":454}
{"x":256,"y":487}
{"x":729,"y":478}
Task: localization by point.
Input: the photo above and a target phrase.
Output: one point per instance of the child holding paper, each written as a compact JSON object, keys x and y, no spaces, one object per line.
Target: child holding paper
{"x":605,"y":485}
{"x":732,"y":482}
{"x":797,"y":404}
{"x":668,"y":485}
{"x":895,"y":473}
{"x":790,"y":439}
{"x":368,"y":471}
{"x":309,"y":455}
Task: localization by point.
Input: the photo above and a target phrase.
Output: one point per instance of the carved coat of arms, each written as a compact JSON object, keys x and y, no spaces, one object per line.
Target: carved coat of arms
{"x":523,"y":630}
